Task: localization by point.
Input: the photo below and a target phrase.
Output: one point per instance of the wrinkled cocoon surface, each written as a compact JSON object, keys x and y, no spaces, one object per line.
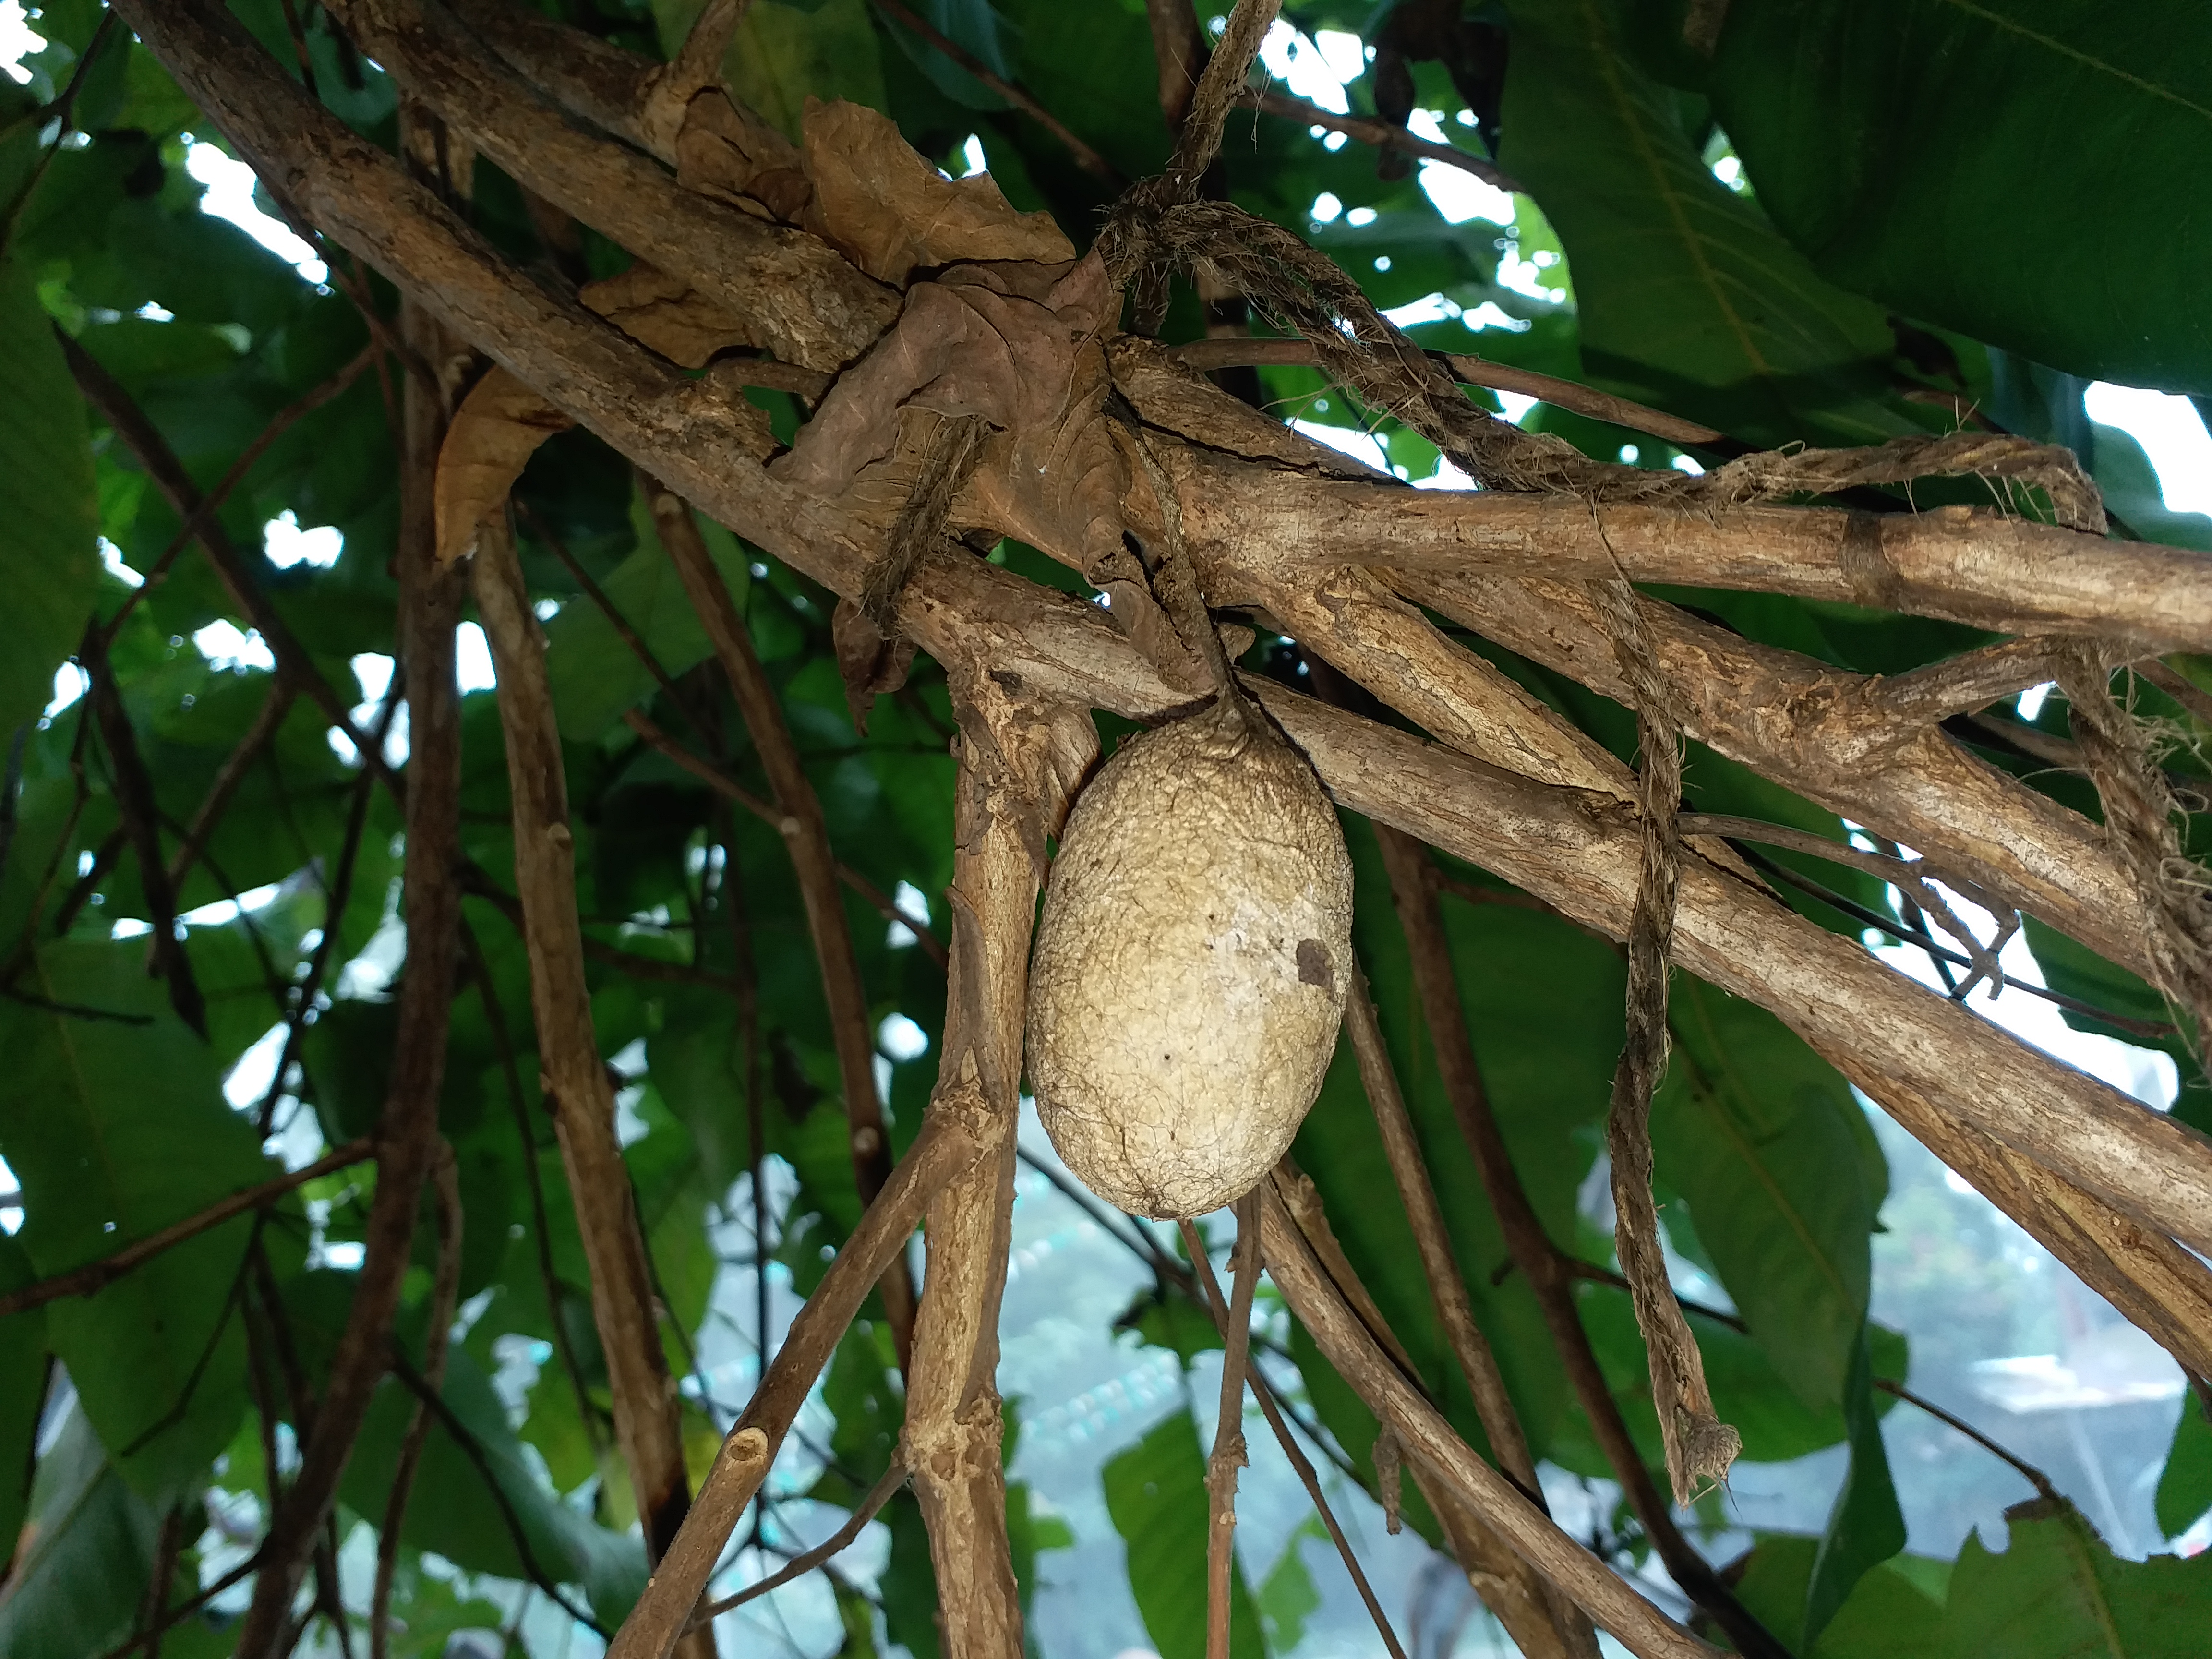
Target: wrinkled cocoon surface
{"x":1190,"y":966}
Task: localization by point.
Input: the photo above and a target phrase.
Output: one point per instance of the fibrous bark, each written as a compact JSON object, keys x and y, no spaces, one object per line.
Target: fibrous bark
{"x":1019,"y":764}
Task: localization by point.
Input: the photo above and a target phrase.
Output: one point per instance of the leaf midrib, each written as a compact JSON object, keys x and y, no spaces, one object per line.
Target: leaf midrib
{"x":2060,"y":48}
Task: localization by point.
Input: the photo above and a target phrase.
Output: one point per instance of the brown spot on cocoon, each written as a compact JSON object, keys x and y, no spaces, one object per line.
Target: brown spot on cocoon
{"x":1315,"y":965}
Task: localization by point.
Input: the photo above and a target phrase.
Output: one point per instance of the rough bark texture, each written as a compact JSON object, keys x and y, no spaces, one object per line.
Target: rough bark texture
{"x":1018,"y":767}
{"x":950,"y":1140}
{"x":1347,"y":1345}
{"x":648,"y":1427}
{"x":1564,"y":1630}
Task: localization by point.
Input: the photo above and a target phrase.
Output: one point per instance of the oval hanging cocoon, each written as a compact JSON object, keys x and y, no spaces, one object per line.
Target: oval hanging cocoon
{"x":1190,"y":968}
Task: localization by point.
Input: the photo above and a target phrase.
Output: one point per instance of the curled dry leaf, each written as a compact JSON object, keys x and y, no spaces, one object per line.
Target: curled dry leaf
{"x":730,"y":154}
{"x":869,"y":663}
{"x":1016,"y":345}
{"x":502,"y":420}
{"x":891,"y":213}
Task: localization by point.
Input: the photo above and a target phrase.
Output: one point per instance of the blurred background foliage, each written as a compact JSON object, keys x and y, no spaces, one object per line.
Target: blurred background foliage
{"x":1814,"y":222}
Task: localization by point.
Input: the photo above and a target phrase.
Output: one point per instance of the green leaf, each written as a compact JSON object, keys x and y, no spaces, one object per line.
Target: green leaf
{"x":132,"y":1134}
{"x":1783,"y":1177}
{"x":1287,"y":1596}
{"x":2056,"y":1592}
{"x":74,"y":1585}
{"x":1156,"y":1492}
{"x":1688,"y":298}
{"x":1896,"y":1611}
{"x":49,"y":561}
{"x":2185,"y":1490}
{"x":782,"y":55}
{"x":1925,"y":153}
{"x":456,"y":1511}
{"x":593,"y":674}
{"x":23,"y":1366}
{"x":1866,"y":1526}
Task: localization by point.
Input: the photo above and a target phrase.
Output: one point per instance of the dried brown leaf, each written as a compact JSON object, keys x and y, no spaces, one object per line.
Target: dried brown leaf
{"x":493,"y":434}
{"x":658,"y":310}
{"x":869,"y":663}
{"x":1015,"y":344}
{"x":731,"y":155}
{"x":891,"y":212}
{"x":501,"y":424}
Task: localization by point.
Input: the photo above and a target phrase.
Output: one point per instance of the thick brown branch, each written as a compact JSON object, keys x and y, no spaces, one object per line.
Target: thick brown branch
{"x":1833,"y":737}
{"x":647,"y":1426}
{"x":950,"y":1141}
{"x":1346,"y":1344}
{"x":429,"y":611}
{"x":1971,"y":565}
{"x":810,"y":306}
{"x":954,"y":1417}
{"x":96,"y":1276}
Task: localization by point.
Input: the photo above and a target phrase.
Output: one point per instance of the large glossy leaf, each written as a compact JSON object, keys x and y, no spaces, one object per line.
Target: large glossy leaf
{"x":74,"y":1585}
{"x":1688,"y":298}
{"x":49,"y":564}
{"x":1925,"y":153}
{"x":2056,"y":1591}
{"x":1865,"y":1526}
{"x":23,"y":1367}
{"x":1156,"y":1492}
{"x":2184,"y":1486}
{"x":132,"y":1134}
{"x":470,"y":1507}
{"x":1783,"y":1177}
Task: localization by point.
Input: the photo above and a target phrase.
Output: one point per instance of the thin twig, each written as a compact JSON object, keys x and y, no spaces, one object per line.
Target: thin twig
{"x":1447,"y":1289}
{"x":96,"y":1276}
{"x":1216,"y":1304}
{"x":2034,"y":1476}
{"x":1206,"y":355}
{"x":1229,"y":1454}
{"x":1436,"y":982}
{"x":203,"y":513}
{"x":446,"y":1188}
{"x":648,"y":1427}
{"x":235,"y":766}
{"x":838,"y":1541}
{"x":948,"y":1143}
{"x":473,"y":1449}
{"x":728,"y":787}
{"x":1084,"y":156}
{"x":1371,"y":129}
{"x":159,"y":462}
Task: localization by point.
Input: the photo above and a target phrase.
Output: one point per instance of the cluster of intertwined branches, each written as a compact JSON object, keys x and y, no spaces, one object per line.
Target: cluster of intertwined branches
{"x":968,"y":377}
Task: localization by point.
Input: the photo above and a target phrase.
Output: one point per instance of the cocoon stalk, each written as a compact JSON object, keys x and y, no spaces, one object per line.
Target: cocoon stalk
{"x":1190,"y":966}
